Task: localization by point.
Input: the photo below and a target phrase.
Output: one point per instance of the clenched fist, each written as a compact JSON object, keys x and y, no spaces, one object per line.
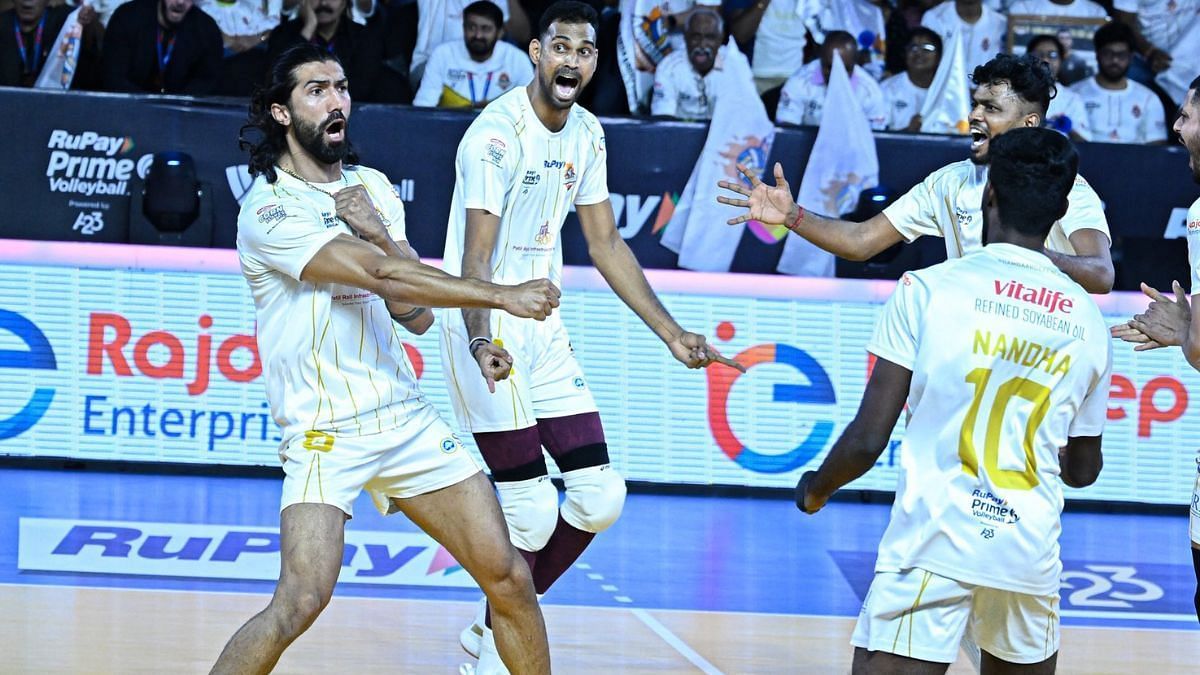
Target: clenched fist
{"x":531,"y":300}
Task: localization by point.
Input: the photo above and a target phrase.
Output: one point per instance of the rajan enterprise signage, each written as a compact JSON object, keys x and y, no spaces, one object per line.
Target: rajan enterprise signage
{"x":163,"y":366}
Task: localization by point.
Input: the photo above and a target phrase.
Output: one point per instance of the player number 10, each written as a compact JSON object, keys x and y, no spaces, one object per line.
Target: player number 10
{"x":1037,"y":394}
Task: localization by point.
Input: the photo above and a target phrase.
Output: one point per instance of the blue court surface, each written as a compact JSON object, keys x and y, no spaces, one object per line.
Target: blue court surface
{"x":700,"y":553}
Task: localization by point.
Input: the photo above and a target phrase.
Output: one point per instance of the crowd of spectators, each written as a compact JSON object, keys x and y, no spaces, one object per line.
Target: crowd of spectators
{"x":658,"y":57}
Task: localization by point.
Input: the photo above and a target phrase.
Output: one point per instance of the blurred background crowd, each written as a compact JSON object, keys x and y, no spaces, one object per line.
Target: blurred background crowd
{"x":1115,"y":60}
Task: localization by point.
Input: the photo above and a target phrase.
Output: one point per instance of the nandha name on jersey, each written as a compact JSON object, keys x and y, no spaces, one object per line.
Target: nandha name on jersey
{"x":1022,"y":352}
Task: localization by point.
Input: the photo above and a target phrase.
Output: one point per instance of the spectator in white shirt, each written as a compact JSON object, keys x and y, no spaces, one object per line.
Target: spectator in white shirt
{"x":983,"y":28}
{"x":1066,"y":113}
{"x":1157,"y":26}
{"x":803,"y":95}
{"x":1078,"y":9}
{"x":1120,"y":110}
{"x":686,"y":84}
{"x":470,"y":72}
{"x":777,"y":28}
{"x":905,"y":92}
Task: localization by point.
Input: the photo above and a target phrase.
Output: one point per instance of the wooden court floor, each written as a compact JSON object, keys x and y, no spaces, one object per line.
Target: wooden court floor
{"x":47,"y":629}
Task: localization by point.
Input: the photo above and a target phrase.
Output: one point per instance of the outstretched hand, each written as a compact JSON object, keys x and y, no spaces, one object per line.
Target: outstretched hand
{"x":767,"y":204}
{"x":693,"y":351}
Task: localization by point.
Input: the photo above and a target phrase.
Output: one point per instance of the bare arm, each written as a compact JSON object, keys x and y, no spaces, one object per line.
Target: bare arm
{"x":354,"y":262}
{"x":1091,"y":266}
{"x":864,"y":439}
{"x":773,"y":205}
{"x":483,"y":228}
{"x":743,"y":23}
{"x":617,"y":264}
{"x":1080,"y":461}
{"x":354,"y":206}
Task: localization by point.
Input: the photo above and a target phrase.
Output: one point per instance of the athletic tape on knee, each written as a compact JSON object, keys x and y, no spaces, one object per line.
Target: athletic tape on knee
{"x":531,"y":511}
{"x":595,"y":497}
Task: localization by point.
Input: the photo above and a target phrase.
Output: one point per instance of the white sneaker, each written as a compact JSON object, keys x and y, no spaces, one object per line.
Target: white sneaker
{"x":469,"y":638}
{"x":489,"y":658}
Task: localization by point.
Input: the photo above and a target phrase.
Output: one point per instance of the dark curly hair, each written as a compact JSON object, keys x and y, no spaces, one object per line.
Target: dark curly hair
{"x":271,"y":135}
{"x":1027,"y":75}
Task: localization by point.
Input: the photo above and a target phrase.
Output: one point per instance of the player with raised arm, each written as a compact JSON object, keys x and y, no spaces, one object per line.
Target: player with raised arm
{"x":1013,"y":92}
{"x":322,"y":246}
{"x":1004,"y":363}
{"x":515,"y":384}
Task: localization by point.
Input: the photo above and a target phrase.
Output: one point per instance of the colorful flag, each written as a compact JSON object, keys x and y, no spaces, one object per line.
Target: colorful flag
{"x":948,"y":103}
{"x":741,"y":133}
{"x":843,"y":163}
{"x":61,"y":61}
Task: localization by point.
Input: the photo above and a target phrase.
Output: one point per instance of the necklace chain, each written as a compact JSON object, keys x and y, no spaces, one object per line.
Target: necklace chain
{"x":345,"y":181}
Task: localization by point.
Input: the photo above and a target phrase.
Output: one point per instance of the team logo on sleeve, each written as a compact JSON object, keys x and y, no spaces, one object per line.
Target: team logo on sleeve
{"x":569,"y":176}
{"x":271,"y":214}
{"x":494,"y":152}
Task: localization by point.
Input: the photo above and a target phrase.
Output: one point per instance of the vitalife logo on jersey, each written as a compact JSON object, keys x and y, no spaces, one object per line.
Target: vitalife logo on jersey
{"x":223,"y":552}
{"x":1052,"y":301}
{"x":89,"y":163}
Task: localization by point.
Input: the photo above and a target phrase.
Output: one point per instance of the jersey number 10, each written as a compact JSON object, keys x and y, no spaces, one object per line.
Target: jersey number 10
{"x":1037,"y":394}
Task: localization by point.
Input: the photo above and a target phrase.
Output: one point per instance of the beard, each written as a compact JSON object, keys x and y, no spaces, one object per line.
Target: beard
{"x":480,"y":48}
{"x":312,"y":138}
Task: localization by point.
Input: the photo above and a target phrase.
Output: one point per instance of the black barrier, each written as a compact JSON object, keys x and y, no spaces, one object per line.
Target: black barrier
{"x":74,"y":159}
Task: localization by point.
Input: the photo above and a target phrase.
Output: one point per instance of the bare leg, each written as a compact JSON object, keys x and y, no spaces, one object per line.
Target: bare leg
{"x":990,"y":665}
{"x":310,"y":550}
{"x":466,"y":519}
{"x":883,"y":663}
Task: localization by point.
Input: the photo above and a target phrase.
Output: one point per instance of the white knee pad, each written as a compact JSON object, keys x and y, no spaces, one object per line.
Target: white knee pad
{"x":531,"y":511}
{"x":595,"y":496}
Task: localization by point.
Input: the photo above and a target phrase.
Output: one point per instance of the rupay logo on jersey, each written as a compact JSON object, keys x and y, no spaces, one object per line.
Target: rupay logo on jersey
{"x":819,"y":391}
{"x":39,"y":356}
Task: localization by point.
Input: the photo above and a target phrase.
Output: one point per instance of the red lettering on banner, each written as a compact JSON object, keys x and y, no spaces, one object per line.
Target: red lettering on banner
{"x":173,"y":368}
{"x":109,"y":335}
{"x":1122,"y":388}
{"x":1149,"y":414}
{"x":225,"y":364}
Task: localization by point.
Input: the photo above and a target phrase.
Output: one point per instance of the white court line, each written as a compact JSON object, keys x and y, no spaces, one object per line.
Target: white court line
{"x":1136,"y":616}
{"x":673,"y":640}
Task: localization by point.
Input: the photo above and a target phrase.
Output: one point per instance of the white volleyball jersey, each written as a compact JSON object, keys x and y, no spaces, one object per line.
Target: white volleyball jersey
{"x":1163,"y":22}
{"x":948,"y":204}
{"x":1193,"y":244}
{"x":509,"y":164}
{"x":1130,"y":115}
{"x":903,"y":99}
{"x":331,"y":354}
{"x":1009,"y":359}
{"x":453,"y":79}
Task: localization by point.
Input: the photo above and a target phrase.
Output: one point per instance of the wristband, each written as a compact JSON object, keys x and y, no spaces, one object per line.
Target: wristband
{"x":471,"y":344}
{"x":409,"y":316}
{"x":795,"y":221}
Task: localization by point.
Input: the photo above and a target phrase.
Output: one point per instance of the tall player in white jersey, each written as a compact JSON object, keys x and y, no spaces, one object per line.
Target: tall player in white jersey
{"x":322,"y":246}
{"x":1167,"y":322}
{"x":1004,"y":363}
{"x":528,"y":157}
{"x":1013,"y":92}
